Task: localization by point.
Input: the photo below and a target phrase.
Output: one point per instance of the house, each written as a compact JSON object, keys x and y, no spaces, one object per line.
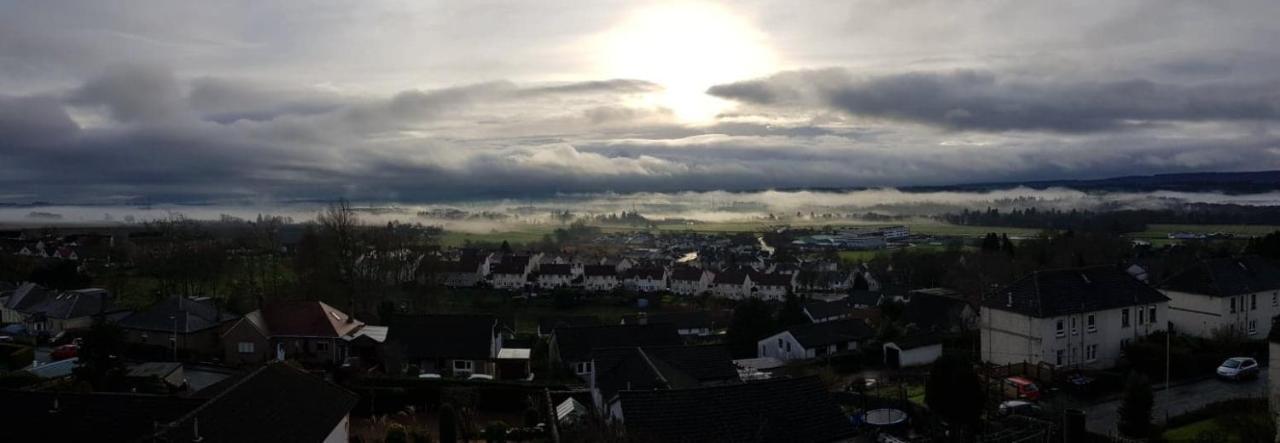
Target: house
{"x":939,"y":310}
{"x":156,"y":377}
{"x":599,"y":278}
{"x":509,"y":275}
{"x":571,"y":346}
{"x":815,"y":340}
{"x":276,"y":402}
{"x":1080,"y":317}
{"x":547,"y":325}
{"x":825,"y":311}
{"x":552,"y":276}
{"x":772,"y":286}
{"x":308,"y":331}
{"x":645,"y":279}
{"x":657,"y":367}
{"x":784,"y":409}
{"x":1239,"y":294}
{"x":912,"y":351}
{"x":696,"y":323}
{"x":822,"y":282}
{"x":468,"y":271}
{"x":690,"y":281}
{"x":190,"y":325}
{"x":444,"y":344}
{"x":48,"y":312}
{"x":731,"y":284}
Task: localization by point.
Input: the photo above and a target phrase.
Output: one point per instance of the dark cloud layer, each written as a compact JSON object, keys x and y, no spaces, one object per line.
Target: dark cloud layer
{"x":986,"y":102}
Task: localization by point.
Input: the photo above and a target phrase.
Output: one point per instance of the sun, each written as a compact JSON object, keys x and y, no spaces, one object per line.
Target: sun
{"x":686,"y":48}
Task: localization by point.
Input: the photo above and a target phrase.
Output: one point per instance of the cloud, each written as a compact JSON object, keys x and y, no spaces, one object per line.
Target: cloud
{"x":985,"y":101}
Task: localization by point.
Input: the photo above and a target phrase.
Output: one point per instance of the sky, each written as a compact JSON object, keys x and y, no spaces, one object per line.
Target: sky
{"x":421,"y":101}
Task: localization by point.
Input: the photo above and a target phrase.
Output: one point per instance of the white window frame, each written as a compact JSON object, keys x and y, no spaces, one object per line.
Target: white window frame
{"x":1091,"y":323}
{"x":1091,"y":353}
{"x":468,"y":366}
{"x":1253,"y":327}
{"x":1060,"y":356}
{"x":1061,"y":329}
{"x":245,"y":347}
{"x":582,"y":367}
{"x":1075,"y":326}
{"x":322,"y":346}
{"x":1151,"y":314}
{"x":1124,"y":318}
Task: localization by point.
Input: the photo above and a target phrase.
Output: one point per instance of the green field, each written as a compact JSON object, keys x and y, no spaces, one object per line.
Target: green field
{"x":1163,"y":231}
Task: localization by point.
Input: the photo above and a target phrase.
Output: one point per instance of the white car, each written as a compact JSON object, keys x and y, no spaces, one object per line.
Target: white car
{"x":480,"y":377}
{"x":428,"y":375}
{"x":1238,"y":368}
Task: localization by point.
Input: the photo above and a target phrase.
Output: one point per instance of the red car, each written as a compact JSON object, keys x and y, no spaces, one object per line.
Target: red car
{"x":64,"y":352}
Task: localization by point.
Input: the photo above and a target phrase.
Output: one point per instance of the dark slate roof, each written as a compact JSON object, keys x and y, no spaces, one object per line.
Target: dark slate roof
{"x":26,"y":296}
{"x":827,"y":309}
{"x":576,"y":343}
{"x":555,"y":269}
{"x":468,"y":264}
{"x":648,"y":273}
{"x":686,"y":274}
{"x":821,"y":278}
{"x":599,"y":270}
{"x":191,"y":315}
{"x":421,"y":337}
{"x":829,"y":333}
{"x":933,"y":310}
{"x":508,"y":268}
{"x":771,"y":279}
{"x":730,"y":278}
{"x":276,"y":402}
{"x":1224,"y":277}
{"x":1059,"y":292}
{"x":70,"y":304}
{"x":682,"y":320}
{"x":784,"y":409}
{"x":99,"y":416}
{"x":548,"y":324}
{"x":661,"y":367}
{"x":307,"y":319}
{"x":868,"y":298}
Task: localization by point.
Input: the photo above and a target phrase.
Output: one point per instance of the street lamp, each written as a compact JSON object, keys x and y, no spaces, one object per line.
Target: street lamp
{"x":174,"y":338}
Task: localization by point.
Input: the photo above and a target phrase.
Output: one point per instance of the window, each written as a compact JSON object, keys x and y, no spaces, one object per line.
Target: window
{"x":762,"y":352}
{"x":322,"y":346}
{"x":1074,"y":330}
{"x":1060,"y":353}
{"x":1275,"y":299}
{"x":1151,"y":314}
{"x":1253,"y":302}
{"x":1091,"y":352}
{"x":1253,"y":327}
{"x":1124,"y":343}
{"x":245,"y":347}
{"x":1124,"y":318}
{"x":1091,"y":323}
{"x":1233,"y":305}
{"x":581,"y":368}
{"x":788,"y":346}
{"x":468,"y":365}
{"x":1140,"y":317}
{"x":1062,"y":329}
{"x":779,"y":343}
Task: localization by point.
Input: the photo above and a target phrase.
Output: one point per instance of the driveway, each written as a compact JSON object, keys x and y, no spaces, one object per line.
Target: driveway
{"x":1101,"y":417}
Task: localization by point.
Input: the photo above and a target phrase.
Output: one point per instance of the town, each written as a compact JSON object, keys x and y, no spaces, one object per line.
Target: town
{"x":338,"y":330}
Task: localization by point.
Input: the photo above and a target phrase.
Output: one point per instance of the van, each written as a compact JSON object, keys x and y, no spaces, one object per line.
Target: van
{"x":1021,"y":387}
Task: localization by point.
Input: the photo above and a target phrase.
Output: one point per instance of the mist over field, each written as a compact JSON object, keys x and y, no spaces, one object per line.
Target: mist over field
{"x":718,"y":206}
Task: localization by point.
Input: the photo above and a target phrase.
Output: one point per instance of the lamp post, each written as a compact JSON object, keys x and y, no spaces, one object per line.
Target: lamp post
{"x":174,"y":338}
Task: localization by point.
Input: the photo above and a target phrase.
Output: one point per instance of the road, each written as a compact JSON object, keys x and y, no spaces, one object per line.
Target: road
{"x":1101,"y":417}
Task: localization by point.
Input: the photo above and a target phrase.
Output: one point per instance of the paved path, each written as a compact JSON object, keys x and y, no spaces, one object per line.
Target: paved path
{"x":1101,"y":417}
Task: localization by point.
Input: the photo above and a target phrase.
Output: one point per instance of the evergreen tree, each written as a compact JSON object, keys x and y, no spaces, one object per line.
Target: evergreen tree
{"x":752,"y":321}
{"x":792,"y":312}
{"x":1135,"y":407}
{"x":954,"y":392}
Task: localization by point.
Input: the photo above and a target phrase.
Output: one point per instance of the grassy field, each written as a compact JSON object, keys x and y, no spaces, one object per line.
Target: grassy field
{"x":1191,"y":431}
{"x":1163,"y":231}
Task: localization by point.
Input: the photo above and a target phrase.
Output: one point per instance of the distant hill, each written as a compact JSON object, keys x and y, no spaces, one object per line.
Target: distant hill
{"x":1226,"y":182}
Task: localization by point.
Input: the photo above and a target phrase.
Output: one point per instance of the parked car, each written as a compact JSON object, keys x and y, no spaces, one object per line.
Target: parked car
{"x":429,"y":375}
{"x":64,"y":352}
{"x":1238,"y":368}
{"x":1021,"y":387}
{"x":1019,"y":407}
{"x":480,"y":377}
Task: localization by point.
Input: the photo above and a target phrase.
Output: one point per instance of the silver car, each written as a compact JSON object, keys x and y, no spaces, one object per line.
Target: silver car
{"x":1238,"y":368}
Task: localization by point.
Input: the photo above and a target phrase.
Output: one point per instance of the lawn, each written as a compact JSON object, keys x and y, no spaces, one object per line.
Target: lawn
{"x":1191,"y":431}
{"x":1163,"y":231}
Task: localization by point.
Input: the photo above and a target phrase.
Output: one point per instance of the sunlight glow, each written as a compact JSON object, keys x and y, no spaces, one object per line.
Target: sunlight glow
{"x":686,"y":48}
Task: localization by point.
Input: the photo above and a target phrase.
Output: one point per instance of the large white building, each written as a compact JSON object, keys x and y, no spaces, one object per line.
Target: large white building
{"x":1070,"y":317}
{"x":1238,"y":295}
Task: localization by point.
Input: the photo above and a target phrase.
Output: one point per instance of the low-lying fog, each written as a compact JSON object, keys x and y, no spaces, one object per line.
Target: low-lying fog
{"x":484,"y":216}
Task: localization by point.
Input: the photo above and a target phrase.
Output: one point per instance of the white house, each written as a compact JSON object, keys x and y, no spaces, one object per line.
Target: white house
{"x":646,"y":279}
{"x":509,"y":276}
{"x":690,"y":281}
{"x":1230,"y":294}
{"x":815,"y":340}
{"x":731,"y":284}
{"x":600,"y":278}
{"x":551,"y":276}
{"x":1070,"y":317}
{"x":772,"y":286}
